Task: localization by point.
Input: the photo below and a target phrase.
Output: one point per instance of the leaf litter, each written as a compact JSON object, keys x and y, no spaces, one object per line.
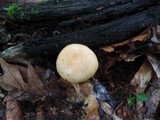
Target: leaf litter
{"x":12,"y":78}
{"x":13,"y":111}
{"x":127,"y":69}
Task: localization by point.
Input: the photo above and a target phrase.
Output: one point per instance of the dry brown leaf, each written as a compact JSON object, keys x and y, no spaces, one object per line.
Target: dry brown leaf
{"x":109,"y":111}
{"x":141,"y":109}
{"x":17,"y":77}
{"x":125,"y":112}
{"x":18,"y":95}
{"x":139,"y":38}
{"x":77,"y":92}
{"x":108,"y":48}
{"x":40,"y":112}
{"x":153,"y":100}
{"x":86,"y":88}
{"x":53,"y":85}
{"x":70,"y":91}
{"x":129,"y":56}
{"x":155,"y":64}
{"x":35,"y":84}
{"x":142,"y":77}
{"x":13,"y":111}
{"x":92,"y":108}
{"x":11,"y":77}
{"x":149,"y":110}
{"x":42,"y":72}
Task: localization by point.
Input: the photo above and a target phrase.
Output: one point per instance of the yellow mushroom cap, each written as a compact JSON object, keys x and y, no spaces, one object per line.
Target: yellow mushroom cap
{"x":76,"y":63}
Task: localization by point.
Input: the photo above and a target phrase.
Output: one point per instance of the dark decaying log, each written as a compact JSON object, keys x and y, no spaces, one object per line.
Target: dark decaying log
{"x":110,"y":12}
{"x":84,"y":13}
{"x":92,"y":22}
{"x":87,"y":9}
{"x":104,"y":34}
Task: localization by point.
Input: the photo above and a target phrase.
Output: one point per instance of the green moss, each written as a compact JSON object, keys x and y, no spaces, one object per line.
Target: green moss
{"x":16,"y":12}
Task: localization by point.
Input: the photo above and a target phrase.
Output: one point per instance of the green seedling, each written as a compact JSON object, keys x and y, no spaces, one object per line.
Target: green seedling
{"x":140,"y":97}
{"x":14,"y":12}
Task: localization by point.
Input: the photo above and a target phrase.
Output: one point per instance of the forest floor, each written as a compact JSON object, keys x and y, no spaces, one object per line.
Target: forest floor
{"x":126,"y":85}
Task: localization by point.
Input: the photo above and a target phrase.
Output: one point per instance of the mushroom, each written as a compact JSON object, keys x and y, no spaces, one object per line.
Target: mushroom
{"x":76,"y":63}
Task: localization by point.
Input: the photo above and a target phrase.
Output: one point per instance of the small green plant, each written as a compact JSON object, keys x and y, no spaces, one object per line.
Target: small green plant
{"x":140,"y":97}
{"x":14,"y":12}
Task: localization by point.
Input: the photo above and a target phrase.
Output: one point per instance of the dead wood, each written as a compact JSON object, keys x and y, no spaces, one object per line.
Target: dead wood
{"x":105,"y":34}
{"x":89,"y":10}
{"x":92,"y":23}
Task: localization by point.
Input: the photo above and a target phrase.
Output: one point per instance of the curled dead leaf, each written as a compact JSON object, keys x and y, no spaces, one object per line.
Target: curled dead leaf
{"x":109,"y":111}
{"x":86,"y":89}
{"x":142,"y":37}
{"x":128,"y":57}
{"x":125,"y":112}
{"x":34,"y":82}
{"x":92,"y":108}
{"x":108,"y":48}
{"x":11,"y":76}
{"x":14,"y":111}
{"x":142,"y":77}
{"x":15,"y":95}
{"x":22,"y":78}
{"x":40,"y":112}
{"x":155,"y":64}
{"x":153,"y":101}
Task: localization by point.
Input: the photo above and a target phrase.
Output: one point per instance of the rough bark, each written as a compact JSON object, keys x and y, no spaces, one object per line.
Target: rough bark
{"x":95,"y":37}
{"x":87,"y":9}
{"x":91,"y":22}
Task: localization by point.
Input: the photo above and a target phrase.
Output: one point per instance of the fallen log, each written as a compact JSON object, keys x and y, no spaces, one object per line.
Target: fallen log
{"x":69,"y":12}
{"x":109,"y":22}
{"x":71,"y":15}
{"x":95,"y":37}
{"x":107,"y":14}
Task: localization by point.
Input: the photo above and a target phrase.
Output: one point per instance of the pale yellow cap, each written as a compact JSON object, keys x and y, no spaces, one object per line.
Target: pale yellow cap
{"x":76,"y":63}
